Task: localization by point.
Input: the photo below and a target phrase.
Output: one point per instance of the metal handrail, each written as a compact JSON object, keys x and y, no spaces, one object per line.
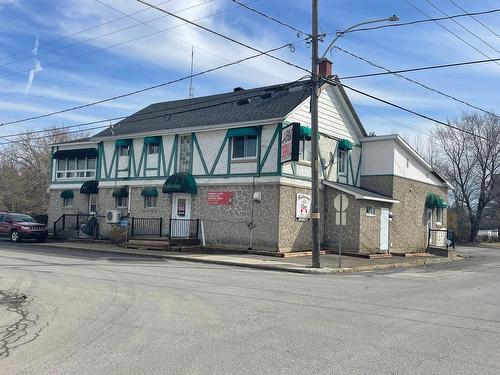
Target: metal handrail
{"x":184,"y":228}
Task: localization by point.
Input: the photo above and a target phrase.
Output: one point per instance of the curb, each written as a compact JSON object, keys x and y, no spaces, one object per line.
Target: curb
{"x":267,"y":267}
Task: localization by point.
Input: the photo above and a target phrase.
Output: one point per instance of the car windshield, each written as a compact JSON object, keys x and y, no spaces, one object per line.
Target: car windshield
{"x":22,"y":218}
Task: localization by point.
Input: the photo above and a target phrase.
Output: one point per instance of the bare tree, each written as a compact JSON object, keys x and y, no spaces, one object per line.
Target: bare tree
{"x":25,"y":169}
{"x":470,"y":160}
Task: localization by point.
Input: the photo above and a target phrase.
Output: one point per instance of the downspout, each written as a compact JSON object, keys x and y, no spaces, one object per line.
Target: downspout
{"x":251,"y":224}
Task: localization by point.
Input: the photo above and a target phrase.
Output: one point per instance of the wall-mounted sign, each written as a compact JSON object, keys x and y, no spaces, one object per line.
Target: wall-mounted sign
{"x":290,"y":141}
{"x":340,"y":203}
{"x":303,"y":207}
{"x":220,"y":197}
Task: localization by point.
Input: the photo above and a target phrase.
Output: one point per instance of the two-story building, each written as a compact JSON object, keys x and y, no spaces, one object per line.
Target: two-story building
{"x":217,"y":159}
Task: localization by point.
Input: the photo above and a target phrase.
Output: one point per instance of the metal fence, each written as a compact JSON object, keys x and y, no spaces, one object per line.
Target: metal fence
{"x":441,"y":238}
{"x":85,"y":225}
{"x":184,"y":228}
{"x":146,"y":227}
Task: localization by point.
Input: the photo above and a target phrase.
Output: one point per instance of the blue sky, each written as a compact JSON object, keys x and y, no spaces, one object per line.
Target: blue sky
{"x":71,"y":71}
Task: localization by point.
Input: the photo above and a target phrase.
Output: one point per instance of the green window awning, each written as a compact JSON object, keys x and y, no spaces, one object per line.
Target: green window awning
{"x":180,"y":183}
{"x":345,"y":145}
{"x":120,"y":192}
{"x":433,"y":200}
{"x":238,"y":132}
{"x":123,"y":142}
{"x":305,"y":132}
{"x":67,"y":194}
{"x":152,"y":140}
{"x":149,"y":192}
{"x":77,"y":153}
{"x":89,"y":187}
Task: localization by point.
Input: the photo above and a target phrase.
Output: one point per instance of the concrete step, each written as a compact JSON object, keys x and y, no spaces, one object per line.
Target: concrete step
{"x":147,"y":244}
{"x":411,"y":254}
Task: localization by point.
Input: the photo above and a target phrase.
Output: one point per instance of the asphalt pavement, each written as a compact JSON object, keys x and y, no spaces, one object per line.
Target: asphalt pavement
{"x":88,"y":313}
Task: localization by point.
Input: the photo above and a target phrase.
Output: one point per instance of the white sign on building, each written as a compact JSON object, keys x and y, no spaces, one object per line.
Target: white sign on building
{"x":303,"y":207}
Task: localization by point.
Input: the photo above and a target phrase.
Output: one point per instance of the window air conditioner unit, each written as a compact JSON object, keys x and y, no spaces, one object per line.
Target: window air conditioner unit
{"x":113,"y":216}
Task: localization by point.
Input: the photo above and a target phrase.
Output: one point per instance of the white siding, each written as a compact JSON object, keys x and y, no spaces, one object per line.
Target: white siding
{"x":378,"y":158}
{"x":210,"y":143}
{"x":272,"y":158}
{"x":405,"y":165}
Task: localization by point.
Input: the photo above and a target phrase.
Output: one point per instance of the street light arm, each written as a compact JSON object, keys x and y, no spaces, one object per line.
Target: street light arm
{"x":341,"y":33}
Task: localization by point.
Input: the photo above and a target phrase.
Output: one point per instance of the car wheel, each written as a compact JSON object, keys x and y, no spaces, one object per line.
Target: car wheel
{"x":14,"y":236}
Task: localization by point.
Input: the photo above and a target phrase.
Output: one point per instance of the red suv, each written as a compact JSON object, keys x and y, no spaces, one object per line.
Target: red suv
{"x":19,"y":227}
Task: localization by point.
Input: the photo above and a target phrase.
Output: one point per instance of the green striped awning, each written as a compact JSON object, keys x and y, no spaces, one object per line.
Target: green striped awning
{"x":89,"y":187}
{"x":238,"y":132}
{"x":433,"y":200}
{"x":123,"y":142}
{"x":76,"y":153}
{"x":180,"y":182}
{"x":67,"y":194}
{"x":345,"y":145}
{"x":149,"y":192}
{"x":120,"y":192}
{"x":152,"y":140}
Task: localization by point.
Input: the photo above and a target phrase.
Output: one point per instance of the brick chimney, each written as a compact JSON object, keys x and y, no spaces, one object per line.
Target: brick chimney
{"x":325,"y":67}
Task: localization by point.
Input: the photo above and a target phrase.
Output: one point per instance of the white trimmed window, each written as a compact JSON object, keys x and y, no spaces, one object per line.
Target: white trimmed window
{"x":153,"y":148}
{"x":305,"y":148}
{"x":439,"y":215}
{"x":342,"y":162}
{"x":149,"y":202}
{"x":67,"y":202}
{"x":244,"y":146}
{"x":121,"y":202}
{"x":370,"y":211}
{"x":123,"y":150}
{"x":78,"y":168}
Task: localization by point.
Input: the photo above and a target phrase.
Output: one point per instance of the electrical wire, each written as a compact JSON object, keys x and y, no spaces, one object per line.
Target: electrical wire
{"x":476,"y":19}
{"x":409,"y":23}
{"x":430,"y":67}
{"x":416,"y":82}
{"x":451,"y":32}
{"x":299,"y":32}
{"x":463,"y":27}
{"x":145,"y":88}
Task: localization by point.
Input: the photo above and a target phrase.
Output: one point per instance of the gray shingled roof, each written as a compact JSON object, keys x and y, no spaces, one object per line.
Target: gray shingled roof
{"x":358,"y":192}
{"x":263,"y":103}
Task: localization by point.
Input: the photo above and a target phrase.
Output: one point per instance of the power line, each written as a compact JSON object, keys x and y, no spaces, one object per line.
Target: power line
{"x":409,"y":23}
{"x":442,"y":66}
{"x":299,"y":32}
{"x":417,"y":82}
{"x":463,"y":27}
{"x":450,"y":31}
{"x":222,"y":35}
{"x":406,"y":109}
{"x":75,"y":33}
{"x":187,"y":108}
{"x":476,"y":19}
{"x":123,"y":42}
{"x":144,"y":89}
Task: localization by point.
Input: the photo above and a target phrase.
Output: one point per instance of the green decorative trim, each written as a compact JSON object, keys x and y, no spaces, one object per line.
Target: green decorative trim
{"x":175,"y":153}
{"x":100,"y":152}
{"x":192,"y":155}
{"x":240,"y":132}
{"x":202,"y":159}
{"x":359,"y":167}
{"x":131,"y":157}
{"x":219,"y":153}
{"x":107,"y":173}
{"x":279,"y":166}
{"x":229,"y":149}
{"x":294,"y":169}
{"x":259,"y":147}
{"x":269,"y":148}
{"x":161,"y":160}
{"x":152,"y":140}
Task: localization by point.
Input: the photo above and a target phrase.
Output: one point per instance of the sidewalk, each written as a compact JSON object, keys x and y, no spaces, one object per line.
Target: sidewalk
{"x":329,"y":262}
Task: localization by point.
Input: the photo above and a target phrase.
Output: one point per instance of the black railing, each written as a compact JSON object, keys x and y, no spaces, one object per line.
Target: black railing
{"x":87,"y":223}
{"x":184,"y":228}
{"x":146,"y":227}
{"x":441,"y":238}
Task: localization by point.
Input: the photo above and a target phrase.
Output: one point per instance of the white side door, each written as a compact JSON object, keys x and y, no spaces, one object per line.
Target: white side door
{"x":92,"y":204}
{"x":429,"y":225}
{"x":384,"y":229}
{"x":181,"y":213}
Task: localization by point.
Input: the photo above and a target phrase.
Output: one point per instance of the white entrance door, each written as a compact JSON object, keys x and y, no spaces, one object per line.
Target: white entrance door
{"x":384,"y":229}
{"x":181,"y":213}
{"x":429,"y":225}
{"x":92,"y":204}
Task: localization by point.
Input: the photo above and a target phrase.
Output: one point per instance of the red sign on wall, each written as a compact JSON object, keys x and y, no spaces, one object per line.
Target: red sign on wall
{"x":220,"y":197}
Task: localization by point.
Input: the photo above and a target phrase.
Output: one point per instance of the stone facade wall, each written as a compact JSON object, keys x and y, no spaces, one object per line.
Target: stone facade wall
{"x":381,"y":184}
{"x":350,"y":231}
{"x":56,"y":209}
{"x":409,"y":225}
{"x":228,"y":225}
{"x":294,"y":235}
{"x":369,"y":226}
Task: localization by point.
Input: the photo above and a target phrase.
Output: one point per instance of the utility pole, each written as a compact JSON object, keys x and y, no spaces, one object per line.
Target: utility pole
{"x":315,"y":215}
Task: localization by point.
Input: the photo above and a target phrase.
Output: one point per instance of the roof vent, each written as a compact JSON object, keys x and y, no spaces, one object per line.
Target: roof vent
{"x":236,"y":89}
{"x":243,"y":101}
{"x":267,"y":95}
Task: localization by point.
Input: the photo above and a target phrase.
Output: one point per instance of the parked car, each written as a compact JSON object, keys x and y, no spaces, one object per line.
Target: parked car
{"x":19,"y":227}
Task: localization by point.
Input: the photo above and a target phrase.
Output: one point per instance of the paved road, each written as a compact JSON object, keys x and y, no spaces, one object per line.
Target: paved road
{"x":91,"y":314}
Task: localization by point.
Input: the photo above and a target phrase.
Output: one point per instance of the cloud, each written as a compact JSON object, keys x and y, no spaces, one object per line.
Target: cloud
{"x":35,"y":70}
